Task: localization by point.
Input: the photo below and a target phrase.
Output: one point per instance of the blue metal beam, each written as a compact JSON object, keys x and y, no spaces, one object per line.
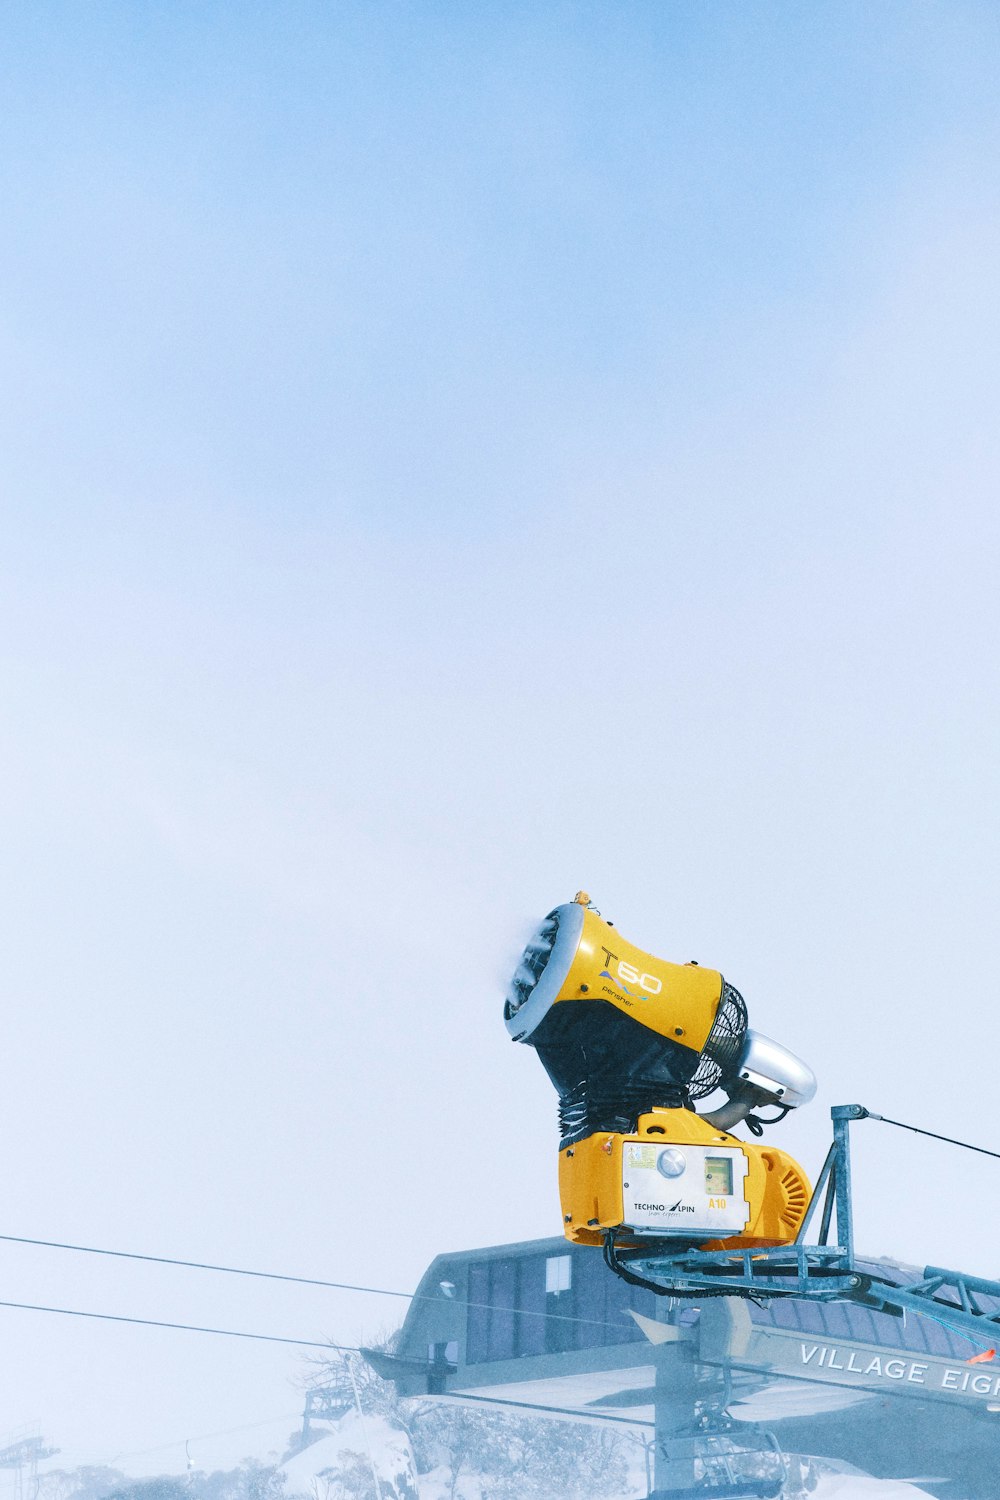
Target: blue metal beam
{"x":827,"y":1273}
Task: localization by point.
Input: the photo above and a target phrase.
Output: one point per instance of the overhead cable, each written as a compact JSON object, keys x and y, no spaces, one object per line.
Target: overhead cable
{"x":948,"y":1139}
{"x":229,"y":1333}
{"x":198,"y":1265}
{"x":204,"y":1437}
{"x":339,"y":1286}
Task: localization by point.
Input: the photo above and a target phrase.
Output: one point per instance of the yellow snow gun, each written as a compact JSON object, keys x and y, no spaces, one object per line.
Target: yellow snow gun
{"x":633,"y":1044}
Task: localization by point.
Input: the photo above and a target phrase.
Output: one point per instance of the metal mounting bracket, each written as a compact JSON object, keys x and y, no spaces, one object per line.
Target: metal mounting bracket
{"x":968,"y":1305}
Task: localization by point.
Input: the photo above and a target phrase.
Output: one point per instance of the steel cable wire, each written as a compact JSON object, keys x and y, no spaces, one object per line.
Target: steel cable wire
{"x":342,"y":1286}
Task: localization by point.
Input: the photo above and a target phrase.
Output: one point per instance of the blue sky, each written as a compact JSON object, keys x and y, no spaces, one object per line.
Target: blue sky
{"x":451,"y":456}
{"x":241,"y":239}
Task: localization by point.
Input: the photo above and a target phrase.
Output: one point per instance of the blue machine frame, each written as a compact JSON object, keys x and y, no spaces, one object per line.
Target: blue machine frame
{"x":822,"y":1271}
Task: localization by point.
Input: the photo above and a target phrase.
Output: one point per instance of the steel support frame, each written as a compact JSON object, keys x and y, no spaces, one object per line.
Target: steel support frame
{"x":824,"y":1272}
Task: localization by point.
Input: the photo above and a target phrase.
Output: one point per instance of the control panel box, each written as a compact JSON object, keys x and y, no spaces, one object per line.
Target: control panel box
{"x":684,"y":1190}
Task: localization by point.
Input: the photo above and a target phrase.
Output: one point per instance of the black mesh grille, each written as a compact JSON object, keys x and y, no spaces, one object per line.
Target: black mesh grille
{"x":721,"y":1056}
{"x":608,"y":1068}
{"x":585,"y":1109}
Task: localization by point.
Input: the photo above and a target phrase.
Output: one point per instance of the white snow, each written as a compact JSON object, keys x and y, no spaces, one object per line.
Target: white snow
{"x":314,"y":1470}
{"x":859,"y":1487}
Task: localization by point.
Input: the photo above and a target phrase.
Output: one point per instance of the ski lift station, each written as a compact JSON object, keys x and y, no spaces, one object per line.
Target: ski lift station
{"x":547,"y":1326}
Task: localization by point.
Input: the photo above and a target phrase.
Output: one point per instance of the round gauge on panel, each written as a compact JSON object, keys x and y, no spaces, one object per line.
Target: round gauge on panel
{"x":671,"y":1163}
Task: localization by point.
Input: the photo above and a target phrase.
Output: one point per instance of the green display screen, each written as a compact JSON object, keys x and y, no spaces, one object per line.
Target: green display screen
{"x":718,"y":1176}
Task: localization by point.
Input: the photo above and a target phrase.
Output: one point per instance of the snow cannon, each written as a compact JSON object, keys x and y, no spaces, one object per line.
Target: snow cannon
{"x":633,"y":1044}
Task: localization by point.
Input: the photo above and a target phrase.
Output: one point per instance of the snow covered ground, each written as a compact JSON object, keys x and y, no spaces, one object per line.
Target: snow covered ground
{"x":371,"y":1442}
{"x":858,"y":1487}
{"x":351,"y":1446}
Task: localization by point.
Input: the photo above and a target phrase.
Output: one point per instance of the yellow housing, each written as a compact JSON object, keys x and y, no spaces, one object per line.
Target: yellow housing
{"x":591,"y":1174}
{"x":631,"y":1043}
{"x":676,"y":1000}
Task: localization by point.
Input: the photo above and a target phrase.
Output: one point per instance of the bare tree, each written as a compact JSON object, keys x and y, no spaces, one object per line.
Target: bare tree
{"x":517,"y":1456}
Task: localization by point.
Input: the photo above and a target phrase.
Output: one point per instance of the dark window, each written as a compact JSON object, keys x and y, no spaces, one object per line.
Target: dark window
{"x":533,"y":1324}
{"x":546,"y":1304}
{"x":503,"y":1311}
{"x":603,"y":1303}
{"x":500,"y":1320}
{"x":477,"y":1328}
